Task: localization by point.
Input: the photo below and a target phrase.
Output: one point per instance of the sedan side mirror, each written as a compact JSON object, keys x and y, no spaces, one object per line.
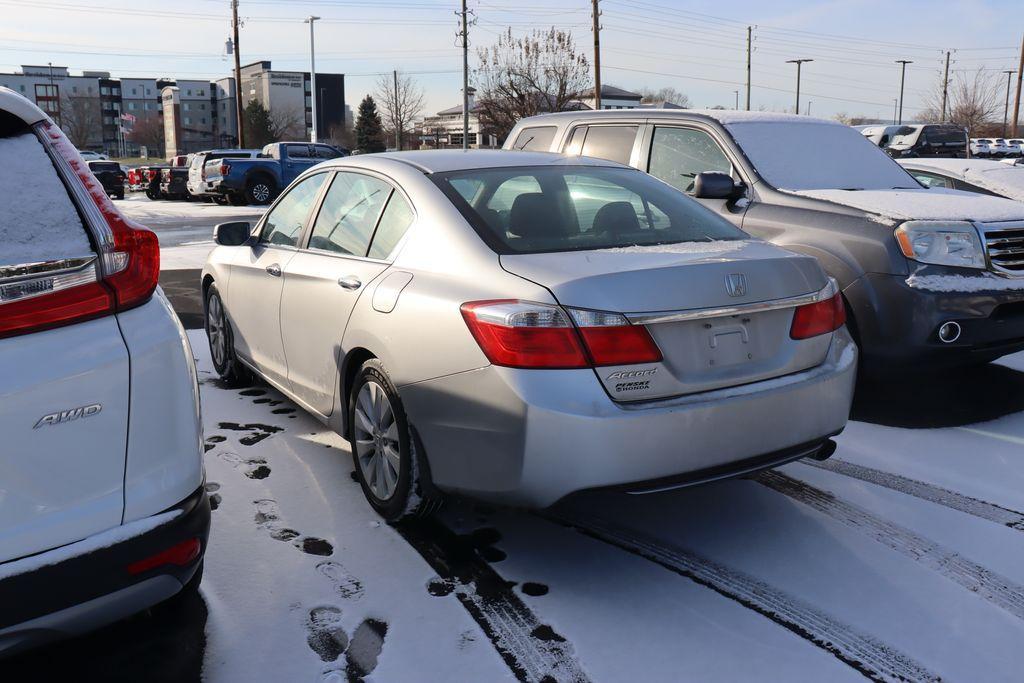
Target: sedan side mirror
{"x":716,"y":185}
{"x":233,"y":234}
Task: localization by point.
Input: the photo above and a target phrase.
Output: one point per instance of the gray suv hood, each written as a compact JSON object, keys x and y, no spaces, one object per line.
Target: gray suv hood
{"x":669,"y":277}
{"x":934,"y":204}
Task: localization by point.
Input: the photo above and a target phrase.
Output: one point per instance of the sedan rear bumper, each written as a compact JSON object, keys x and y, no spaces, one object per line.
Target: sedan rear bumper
{"x":66,"y":595}
{"x":531,"y":437}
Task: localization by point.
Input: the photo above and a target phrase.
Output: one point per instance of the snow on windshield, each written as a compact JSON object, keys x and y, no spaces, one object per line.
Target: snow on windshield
{"x":38,"y":222}
{"x":803,"y":156}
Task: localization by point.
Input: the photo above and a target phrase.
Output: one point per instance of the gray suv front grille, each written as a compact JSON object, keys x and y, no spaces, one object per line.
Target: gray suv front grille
{"x":1005,"y":247}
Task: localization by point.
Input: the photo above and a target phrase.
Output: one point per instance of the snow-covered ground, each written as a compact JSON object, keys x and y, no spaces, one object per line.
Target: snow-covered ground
{"x":899,"y":558}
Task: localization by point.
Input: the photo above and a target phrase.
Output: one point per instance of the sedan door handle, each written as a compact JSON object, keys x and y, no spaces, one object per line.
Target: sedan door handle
{"x":350,"y":282}
{"x":274,"y":270}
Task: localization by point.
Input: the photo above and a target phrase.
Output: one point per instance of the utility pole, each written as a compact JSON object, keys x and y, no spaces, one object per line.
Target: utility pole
{"x":1016,"y":99}
{"x":397,"y":111}
{"x":238,"y":76}
{"x":596,"y":12}
{"x":903,"y":74}
{"x":750,"y":30}
{"x":465,"y":79}
{"x":799,"y":63}
{"x":314,"y":135}
{"x":1006,"y":106}
{"x":895,"y":101}
{"x":945,"y":88}
{"x":737,"y":93}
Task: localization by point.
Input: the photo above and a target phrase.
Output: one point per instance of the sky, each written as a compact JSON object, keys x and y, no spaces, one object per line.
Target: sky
{"x":697,"y":48}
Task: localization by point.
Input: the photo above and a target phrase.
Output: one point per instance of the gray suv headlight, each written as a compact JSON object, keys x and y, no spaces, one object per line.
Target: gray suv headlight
{"x":943,"y":243}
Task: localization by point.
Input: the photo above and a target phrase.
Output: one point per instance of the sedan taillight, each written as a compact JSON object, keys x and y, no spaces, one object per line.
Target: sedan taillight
{"x":524,"y":334}
{"x":818,"y":318}
{"x":124,"y":275}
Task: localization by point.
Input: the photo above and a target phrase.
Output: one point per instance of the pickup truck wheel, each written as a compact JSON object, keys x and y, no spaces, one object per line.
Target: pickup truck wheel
{"x":259,"y":191}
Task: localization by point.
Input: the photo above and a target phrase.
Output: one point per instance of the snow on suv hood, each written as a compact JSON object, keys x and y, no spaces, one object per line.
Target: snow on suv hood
{"x":934,"y":204}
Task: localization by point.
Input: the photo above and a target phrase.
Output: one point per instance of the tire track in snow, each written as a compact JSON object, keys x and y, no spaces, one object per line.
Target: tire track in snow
{"x":532,"y":649}
{"x":985,"y":583}
{"x":924,"y":491}
{"x":863,"y":652}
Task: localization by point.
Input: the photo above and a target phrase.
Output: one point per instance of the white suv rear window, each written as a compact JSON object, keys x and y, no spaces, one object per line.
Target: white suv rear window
{"x":38,"y":222}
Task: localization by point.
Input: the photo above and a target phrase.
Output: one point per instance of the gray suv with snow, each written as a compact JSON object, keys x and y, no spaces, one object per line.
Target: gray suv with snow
{"x":930,"y":278}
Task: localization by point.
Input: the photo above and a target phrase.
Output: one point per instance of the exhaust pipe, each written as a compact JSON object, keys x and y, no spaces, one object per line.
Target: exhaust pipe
{"x":825,"y":451}
{"x":949,"y":332}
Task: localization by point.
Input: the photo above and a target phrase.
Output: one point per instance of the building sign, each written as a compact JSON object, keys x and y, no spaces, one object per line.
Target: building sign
{"x":170,"y":96}
{"x":290,"y":80}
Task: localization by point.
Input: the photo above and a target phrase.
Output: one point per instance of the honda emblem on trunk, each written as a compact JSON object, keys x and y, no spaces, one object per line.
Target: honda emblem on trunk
{"x":736,"y":284}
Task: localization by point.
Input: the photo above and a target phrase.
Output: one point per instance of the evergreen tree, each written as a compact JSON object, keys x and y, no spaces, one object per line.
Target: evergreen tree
{"x":258,"y":129}
{"x":369,"y":129}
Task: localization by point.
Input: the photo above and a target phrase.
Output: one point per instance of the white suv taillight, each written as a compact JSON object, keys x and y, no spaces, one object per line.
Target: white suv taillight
{"x":525,"y":334}
{"x":124,"y":275}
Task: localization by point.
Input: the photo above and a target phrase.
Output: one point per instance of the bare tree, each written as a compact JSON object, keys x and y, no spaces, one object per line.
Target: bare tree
{"x":287,"y":123}
{"x":662,"y":95}
{"x":149,"y":131}
{"x":972,"y":102}
{"x":519,"y":77}
{"x":80,"y":120}
{"x":400,"y":101}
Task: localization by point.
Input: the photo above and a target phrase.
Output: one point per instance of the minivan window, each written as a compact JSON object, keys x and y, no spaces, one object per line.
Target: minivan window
{"x":679,"y":154}
{"x":802,"y":156}
{"x":285,"y":221}
{"x":568,"y":208}
{"x":614,"y":143}
{"x":537,"y":139}
{"x":349,"y":214}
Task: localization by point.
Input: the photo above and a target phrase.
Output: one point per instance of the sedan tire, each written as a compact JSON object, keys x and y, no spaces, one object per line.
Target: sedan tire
{"x":384,"y":452}
{"x":222,"y":344}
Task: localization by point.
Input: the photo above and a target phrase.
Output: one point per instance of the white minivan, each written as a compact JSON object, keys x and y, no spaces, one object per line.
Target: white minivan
{"x":103,"y":512}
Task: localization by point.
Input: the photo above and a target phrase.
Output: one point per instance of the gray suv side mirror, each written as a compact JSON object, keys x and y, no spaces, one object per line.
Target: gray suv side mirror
{"x":232,"y":234}
{"x":715,"y":185}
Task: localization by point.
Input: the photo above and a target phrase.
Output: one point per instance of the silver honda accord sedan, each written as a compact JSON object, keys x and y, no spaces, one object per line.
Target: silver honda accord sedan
{"x":520,"y":326}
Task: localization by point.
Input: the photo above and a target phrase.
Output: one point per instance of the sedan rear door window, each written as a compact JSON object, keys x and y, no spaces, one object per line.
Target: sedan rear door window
{"x":394,"y":222}
{"x":349,"y":214}
{"x":679,"y":154}
{"x":286,"y":220}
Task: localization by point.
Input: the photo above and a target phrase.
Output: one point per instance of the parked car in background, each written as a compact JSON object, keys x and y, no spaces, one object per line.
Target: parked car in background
{"x":260,"y":180}
{"x":929,"y":140}
{"x":110,"y":175}
{"x":92,"y":156}
{"x":197,"y":184}
{"x":1000,"y":149}
{"x":174,"y":178}
{"x":135,"y":179}
{"x":586,"y":319}
{"x":150,"y":179}
{"x":102,"y":507}
{"x":981,"y":147}
{"x":984,"y":176}
{"x":930,"y":279}
{"x":1016,"y":146}
{"x":880,"y":135}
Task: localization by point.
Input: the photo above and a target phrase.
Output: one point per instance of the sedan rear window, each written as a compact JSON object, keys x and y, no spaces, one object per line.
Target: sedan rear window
{"x":566,"y":208}
{"x":101,"y":166}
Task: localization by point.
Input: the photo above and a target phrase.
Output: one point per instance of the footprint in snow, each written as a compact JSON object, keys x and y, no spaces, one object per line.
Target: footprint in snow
{"x":364,"y":649}
{"x":212,"y":488}
{"x":252,"y":467}
{"x":268,"y":518}
{"x":253,"y":392}
{"x":328,"y":639}
{"x":348,"y":586}
{"x":257,"y":432}
{"x":325,"y":634}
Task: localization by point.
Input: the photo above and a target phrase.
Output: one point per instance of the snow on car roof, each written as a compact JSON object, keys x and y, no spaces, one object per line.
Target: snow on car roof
{"x":442,"y":160}
{"x":1001,"y":178}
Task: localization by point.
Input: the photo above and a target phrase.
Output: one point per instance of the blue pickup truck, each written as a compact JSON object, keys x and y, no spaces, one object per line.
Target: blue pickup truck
{"x":260,"y":180}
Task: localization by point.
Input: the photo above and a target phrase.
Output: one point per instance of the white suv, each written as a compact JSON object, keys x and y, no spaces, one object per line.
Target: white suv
{"x":102,"y":507}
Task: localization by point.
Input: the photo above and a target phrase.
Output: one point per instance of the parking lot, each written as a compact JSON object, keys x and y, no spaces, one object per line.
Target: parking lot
{"x":900,"y":558}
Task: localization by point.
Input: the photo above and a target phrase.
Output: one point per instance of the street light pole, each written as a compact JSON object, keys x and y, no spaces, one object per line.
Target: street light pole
{"x":807,"y":110}
{"x":903,"y":75}
{"x":737,"y":93}
{"x":314,"y":134}
{"x":895,"y":101}
{"x":799,"y":63}
{"x":1006,"y":107}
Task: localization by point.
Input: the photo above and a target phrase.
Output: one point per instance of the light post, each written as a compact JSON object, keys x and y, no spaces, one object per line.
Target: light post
{"x":799,"y":63}
{"x":1006,"y":107}
{"x":313,"y":136}
{"x":808,"y":110}
{"x":737,"y":93}
{"x":903,"y":77}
